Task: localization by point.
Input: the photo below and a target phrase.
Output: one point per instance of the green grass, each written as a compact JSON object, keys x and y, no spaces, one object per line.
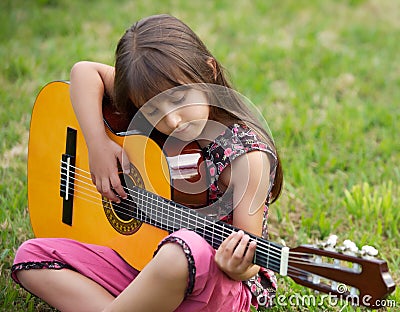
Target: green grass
{"x":325,"y":74}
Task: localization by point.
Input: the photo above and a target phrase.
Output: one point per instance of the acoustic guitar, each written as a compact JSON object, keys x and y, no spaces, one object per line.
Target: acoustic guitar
{"x":63,"y":202}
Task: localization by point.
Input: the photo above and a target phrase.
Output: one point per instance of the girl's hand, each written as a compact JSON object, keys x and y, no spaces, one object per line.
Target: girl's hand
{"x":235,"y":256}
{"x":104,"y":155}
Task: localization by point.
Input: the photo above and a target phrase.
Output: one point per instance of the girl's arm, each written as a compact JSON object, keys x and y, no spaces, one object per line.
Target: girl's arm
{"x":249,"y":177}
{"x":89,"y":81}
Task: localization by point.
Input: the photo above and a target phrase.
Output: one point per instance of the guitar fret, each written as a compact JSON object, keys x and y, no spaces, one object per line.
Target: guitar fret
{"x":182,"y":218}
{"x":170,"y":216}
{"x":139,"y":203}
{"x":143,"y":205}
{"x":158,"y":213}
{"x":185,"y":222}
{"x":179,"y":214}
{"x":154,"y":211}
{"x":196,"y":226}
{"x":172,"y":219}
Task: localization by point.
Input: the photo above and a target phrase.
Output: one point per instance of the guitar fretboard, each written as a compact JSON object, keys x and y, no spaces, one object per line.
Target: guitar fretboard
{"x":171,"y":216}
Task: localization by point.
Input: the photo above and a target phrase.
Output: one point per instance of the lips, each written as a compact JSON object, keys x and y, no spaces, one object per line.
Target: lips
{"x":181,"y":128}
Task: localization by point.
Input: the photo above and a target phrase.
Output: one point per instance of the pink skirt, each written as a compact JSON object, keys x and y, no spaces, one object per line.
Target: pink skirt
{"x":209,"y":289}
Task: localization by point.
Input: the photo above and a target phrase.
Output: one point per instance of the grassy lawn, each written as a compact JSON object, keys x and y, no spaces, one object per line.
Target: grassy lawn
{"x":325,"y":74}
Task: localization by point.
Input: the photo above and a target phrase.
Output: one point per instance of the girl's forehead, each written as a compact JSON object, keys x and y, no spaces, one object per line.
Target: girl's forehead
{"x":160,"y":92}
{"x":151,"y":75}
{"x":181,"y":96}
{"x":177,"y":89}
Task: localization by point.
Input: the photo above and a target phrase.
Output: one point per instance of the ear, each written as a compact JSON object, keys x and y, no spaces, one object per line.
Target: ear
{"x":213,"y":64}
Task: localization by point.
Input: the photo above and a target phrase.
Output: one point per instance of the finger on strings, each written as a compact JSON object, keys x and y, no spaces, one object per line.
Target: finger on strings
{"x":250,"y":251}
{"x":117,"y":186}
{"x":241,"y":247}
{"x":226,"y":241}
{"x":105,"y":190}
{"x":233,"y":241}
{"x":125,"y":163}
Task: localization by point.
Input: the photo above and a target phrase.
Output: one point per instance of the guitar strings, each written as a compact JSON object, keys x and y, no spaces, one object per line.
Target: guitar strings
{"x":275,"y":250}
{"x":128,"y":212}
{"x":122,"y":208}
{"x":274,"y":261}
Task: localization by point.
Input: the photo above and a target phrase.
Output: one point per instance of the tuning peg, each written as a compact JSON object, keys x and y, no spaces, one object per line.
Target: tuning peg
{"x":340,"y":249}
{"x":332,"y":240}
{"x":368,"y":251}
{"x":350,"y":246}
{"x":329,"y":243}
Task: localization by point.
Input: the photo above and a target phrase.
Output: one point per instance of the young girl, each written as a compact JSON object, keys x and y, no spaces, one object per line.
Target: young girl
{"x":157,"y":54}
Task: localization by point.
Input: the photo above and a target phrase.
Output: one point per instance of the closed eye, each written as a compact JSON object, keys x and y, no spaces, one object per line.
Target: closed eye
{"x":180,"y":99}
{"x":153,"y":112}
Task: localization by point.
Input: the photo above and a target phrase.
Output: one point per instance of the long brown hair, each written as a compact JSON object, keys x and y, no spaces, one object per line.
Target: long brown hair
{"x":160,"y":52}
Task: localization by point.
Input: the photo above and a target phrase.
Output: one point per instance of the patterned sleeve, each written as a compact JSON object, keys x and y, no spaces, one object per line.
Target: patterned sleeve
{"x":234,"y":142}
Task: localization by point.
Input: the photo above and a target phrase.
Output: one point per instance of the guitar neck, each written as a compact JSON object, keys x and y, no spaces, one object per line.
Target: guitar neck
{"x":301,"y":266}
{"x":171,"y":216}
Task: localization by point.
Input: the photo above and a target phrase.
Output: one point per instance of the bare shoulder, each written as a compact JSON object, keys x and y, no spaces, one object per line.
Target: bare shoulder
{"x":87,"y":69}
{"x":250,"y":168}
{"x":250,"y":183}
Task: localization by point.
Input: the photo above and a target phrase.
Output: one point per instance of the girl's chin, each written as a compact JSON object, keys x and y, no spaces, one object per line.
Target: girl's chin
{"x":187,"y":134}
{"x":185,"y":138}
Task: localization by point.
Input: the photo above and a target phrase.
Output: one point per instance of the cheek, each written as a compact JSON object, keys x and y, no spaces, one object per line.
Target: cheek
{"x":160,"y":126}
{"x":200,"y":112}
{"x":154,"y":123}
{"x":205,"y":112}
{"x":208,"y":112}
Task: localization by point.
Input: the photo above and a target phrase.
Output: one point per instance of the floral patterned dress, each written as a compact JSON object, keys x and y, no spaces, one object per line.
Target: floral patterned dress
{"x":237,"y":140}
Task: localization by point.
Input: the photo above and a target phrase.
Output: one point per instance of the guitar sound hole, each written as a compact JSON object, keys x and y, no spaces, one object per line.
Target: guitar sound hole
{"x":127,"y":208}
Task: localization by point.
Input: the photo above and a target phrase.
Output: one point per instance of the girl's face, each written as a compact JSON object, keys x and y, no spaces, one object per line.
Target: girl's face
{"x":180,"y":112}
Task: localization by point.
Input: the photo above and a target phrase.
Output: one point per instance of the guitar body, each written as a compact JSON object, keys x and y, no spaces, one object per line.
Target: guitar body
{"x":51,"y":117}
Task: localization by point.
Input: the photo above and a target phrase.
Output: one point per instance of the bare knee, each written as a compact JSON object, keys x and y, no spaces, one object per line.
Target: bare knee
{"x":36,"y":281}
{"x":172,"y":263}
{"x":27,"y":278}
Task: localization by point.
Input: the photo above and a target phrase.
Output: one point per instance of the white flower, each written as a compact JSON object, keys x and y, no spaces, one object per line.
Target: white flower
{"x":332,"y":240}
{"x":369,"y":250}
{"x":349,"y":245}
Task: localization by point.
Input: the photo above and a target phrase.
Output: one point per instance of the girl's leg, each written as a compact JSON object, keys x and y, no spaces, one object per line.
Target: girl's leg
{"x":66,"y":290}
{"x":159,"y":287}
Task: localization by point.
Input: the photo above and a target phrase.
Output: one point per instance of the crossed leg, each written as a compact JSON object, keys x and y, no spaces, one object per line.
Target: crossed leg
{"x":159,"y":287}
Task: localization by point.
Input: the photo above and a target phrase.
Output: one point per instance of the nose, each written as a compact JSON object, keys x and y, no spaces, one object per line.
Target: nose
{"x":172,"y":119}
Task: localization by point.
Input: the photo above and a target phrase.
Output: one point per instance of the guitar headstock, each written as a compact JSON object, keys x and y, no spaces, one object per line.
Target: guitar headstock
{"x":343,"y":271}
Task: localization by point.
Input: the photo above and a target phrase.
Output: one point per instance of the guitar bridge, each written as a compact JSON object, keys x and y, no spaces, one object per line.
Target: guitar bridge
{"x":68,"y":176}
